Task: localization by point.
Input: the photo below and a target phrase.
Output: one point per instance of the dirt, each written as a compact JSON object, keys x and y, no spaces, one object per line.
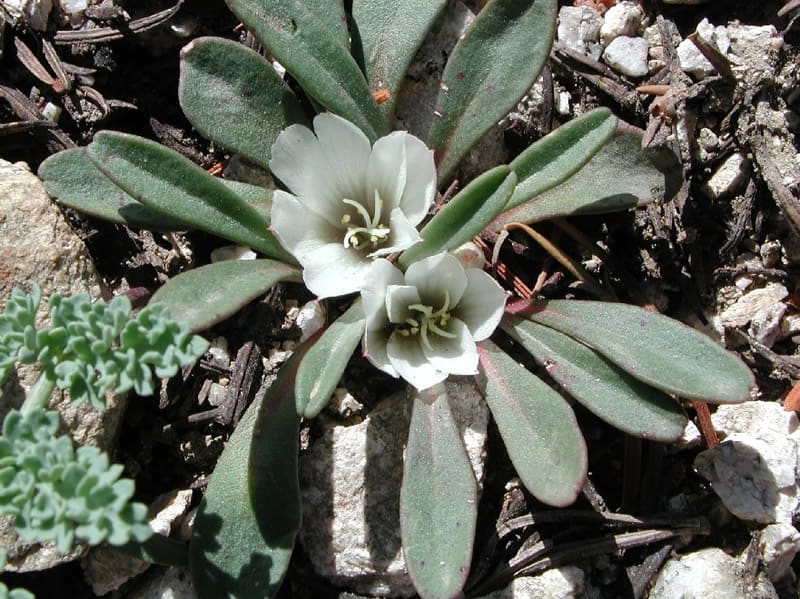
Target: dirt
{"x":679,"y":257}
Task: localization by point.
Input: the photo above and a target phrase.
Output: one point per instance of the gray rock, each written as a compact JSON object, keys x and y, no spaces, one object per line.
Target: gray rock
{"x":709,"y":574}
{"x":728,"y":177}
{"x":627,"y":55}
{"x":579,"y":30}
{"x":748,"y":306}
{"x":754,"y":470}
{"x":350,"y":480}
{"x":625,"y":18}
{"x":778,"y":544}
{"x":567,"y":582}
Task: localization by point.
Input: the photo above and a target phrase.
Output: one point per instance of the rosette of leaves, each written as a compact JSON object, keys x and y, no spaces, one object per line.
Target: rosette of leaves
{"x":59,"y":494}
{"x":625,"y":364}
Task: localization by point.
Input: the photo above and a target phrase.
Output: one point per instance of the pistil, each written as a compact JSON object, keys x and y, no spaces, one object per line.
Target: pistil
{"x":428,"y":321}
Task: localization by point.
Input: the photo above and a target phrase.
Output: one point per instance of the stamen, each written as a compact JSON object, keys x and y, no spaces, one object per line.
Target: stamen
{"x":360,"y":209}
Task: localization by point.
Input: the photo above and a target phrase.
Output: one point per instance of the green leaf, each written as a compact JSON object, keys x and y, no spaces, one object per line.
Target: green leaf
{"x":331,"y":14}
{"x":465,"y":216}
{"x":259,"y":198}
{"x":306,"y":46}
{"x":234,"y":97}
{"x":609,"y":392}
{"x":559,"y":155}
{"x":165,"y":181}
{"x":75,"y":182}
{"x":652,"y":347}
{"x":490,"y":69}
{"x":438,"y":499}
{"x":325,"y":362}
{"x":538,"y":428}
{"x":244,"y":533}
{"x":621,"y":175}
{"x":387,"y":34}
{"x":209,"y":294}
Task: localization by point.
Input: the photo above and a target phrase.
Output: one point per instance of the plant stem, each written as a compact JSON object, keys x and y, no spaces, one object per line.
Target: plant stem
{"x":39,"y":395}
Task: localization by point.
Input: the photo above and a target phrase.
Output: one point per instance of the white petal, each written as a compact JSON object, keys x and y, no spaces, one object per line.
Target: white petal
{"x":374,"y":346}
{"x":380,"y":275}
{"x":433,"y":275}
{"x":398,"y":299}
{"x":420,"y":187}
{"x":407,"y":358}
{"x":454,"y":356}
{"x":331,"y":269}
{"x":482,"y":305}
{"x":347,"y":150}
{"x":401,"y":237}
{"x":386,"y":171}
{"x":299,"y":230}
{"x":302,"y":161}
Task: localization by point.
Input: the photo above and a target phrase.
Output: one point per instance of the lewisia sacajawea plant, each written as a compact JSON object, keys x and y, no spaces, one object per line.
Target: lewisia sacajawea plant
{"x":356,"y":218}
{"x":57,"y":493}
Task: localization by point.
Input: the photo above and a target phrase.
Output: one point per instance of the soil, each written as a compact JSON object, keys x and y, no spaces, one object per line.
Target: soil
{"x":678,"y":256}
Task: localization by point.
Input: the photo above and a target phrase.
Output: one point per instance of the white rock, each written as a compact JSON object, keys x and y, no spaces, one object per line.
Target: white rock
{"x":728,"y":176}
{"x":755,"y":52}
{"x":34,"y":12}
{"x":692,"y":60}
{"x":350,"y":481}
{"x":579,"y":30}
{"x":310,"y":319}
{"x":562,"y":103}
{"x":778,"y":544}
{"x":627,"y":55}
{"x":73,"y":7}
{"x":765,"y":326}
{"x":232,"y":252}
{"x":750,"y":304}
{"x":754,"y":471}
{"x":709,"y":574}
{"x":567,"y":582}
{"x":625,"y":18}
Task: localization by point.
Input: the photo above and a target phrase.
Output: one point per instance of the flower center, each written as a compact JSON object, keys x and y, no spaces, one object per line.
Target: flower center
{"x":373,"y":233}
{"x":426,"y":321}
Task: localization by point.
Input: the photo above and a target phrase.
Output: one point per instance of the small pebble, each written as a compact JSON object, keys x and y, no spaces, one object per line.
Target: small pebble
{"x":625,"y":18}
{"x":728,"y":176}
{"x":627,"y":55}
{"x":779,"y":543}
{"x":579,"y":30}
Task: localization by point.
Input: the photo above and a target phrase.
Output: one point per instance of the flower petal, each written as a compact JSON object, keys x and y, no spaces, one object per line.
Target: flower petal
{"x":407,"y":358}
{"x":302,"y":161}
{"x":398,"y":299}
{"x":402,"y":235}
{"x":299,"y":230}
{"x":434,"y":275}
{"x":331,"y":269}
{"x":420,"y":187}
{"x":482,"y":305}
{"x":381,"y":274}
{"x":347,"y":150}
{"x":374,"y":347}
{"x":457,"y":355}
{"x":387,"y":170}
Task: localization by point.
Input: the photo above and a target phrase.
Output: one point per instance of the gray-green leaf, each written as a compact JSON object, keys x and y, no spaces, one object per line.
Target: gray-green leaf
{"x":204,"y":296}
{"x":438,"y":499}
{"x":165,"y":181}
{"x":609,"y":392}
{"x":234,"y":97}
{"x":388,"y":33}
{"x":652,"y":347}
{"x":312,"y":53}
{"x":538,"y":428}
{"x":490,"y":69}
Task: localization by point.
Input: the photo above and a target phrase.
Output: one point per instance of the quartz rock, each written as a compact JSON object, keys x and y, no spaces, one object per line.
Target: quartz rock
{"x":567,"y":582}
{"x":778,"y":544}
{"x":747,"y":307}
{"x":627,"y":55}
{"x":728,"y":176}
{"x":579,"y":30}
{"x":625,"y":18}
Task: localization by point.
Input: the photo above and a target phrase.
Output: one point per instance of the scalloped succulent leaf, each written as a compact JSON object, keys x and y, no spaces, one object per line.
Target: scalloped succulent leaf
{"x":606,"y":390}
{"x":475,"y":93}
{"x":244,"y":533}
{"x":537,"y":425}
{"x":302,"y":38}
{"x":204,"y":296}
{"x":465,"y":216}
{"x":560,"y":154}
{"x":619,"y":176}
{"x":387,"y":35}
{"x":438,"y":499}
{"x":234,"y":97}
{"x":324,"y":363}
{"x":165,"y":181}
{"x":653,"y":348}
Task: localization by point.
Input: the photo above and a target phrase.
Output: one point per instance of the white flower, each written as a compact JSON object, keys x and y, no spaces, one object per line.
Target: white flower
{"x":350,"y":203}
{"x":423,"y":325}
